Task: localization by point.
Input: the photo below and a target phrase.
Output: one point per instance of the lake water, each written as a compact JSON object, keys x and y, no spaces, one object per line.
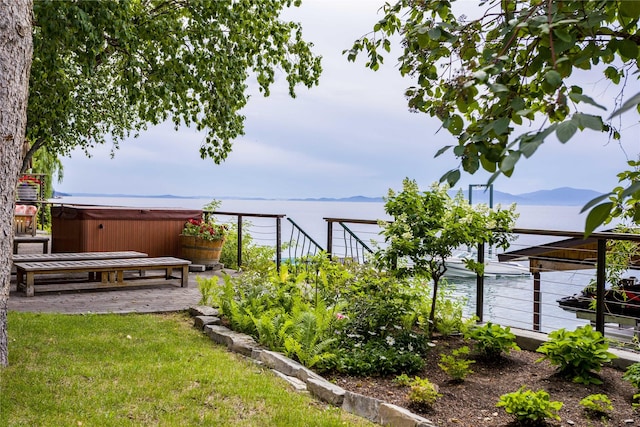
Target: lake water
{"x":508,"y":301}
{"x":309,"y":214}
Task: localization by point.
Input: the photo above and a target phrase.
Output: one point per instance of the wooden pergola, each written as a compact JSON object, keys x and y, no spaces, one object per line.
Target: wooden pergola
{"x":574,"y":253}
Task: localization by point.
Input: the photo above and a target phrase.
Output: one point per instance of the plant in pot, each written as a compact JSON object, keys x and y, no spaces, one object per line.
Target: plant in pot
{"x":28,"y":188}
{"x":202,"y":239}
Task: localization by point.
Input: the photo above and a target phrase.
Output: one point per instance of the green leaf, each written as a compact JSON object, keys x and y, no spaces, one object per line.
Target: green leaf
{"x":566,"y":130}
{"x":454,"y":124}
{"x":434,"y":33}
{"x":578,"y":97}
{"x":451,"y":177}
{"x":595,"y":201}
{"x":553,"y":78}
{"x":589,"y":121}
{"x":480,"y":75}
{"x":509,"y":162}
{"x":501,"y":125}
{"x":630,"y":190}
{"x":442,"y":150}
{"x":527,"y":148}
{"x":497,"y":88}
{"x":628,"y":48}
{"x":631,"y":102}
{"x":630,"y":9}
{"x":423,"y":40}
{"x":597,"y":217}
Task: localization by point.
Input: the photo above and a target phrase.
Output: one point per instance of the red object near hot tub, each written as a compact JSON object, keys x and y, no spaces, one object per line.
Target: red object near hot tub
{"x":154,"y":231}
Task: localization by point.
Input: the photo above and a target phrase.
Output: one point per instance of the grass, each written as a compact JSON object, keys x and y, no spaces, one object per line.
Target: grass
{"x":141,"y":370}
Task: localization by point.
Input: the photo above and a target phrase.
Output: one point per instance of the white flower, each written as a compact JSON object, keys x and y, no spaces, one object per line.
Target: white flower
{"x":410,"y":347}
{"x":390,"y":340}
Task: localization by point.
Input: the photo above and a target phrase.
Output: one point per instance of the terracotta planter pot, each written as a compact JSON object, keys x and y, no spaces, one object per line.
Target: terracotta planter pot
{"x":200,"y":251}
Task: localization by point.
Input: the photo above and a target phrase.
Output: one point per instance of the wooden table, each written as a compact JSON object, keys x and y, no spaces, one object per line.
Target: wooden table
{"x":44,"y":240}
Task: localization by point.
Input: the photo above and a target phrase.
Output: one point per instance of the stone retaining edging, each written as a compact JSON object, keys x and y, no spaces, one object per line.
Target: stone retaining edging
{"x":301,"y":378}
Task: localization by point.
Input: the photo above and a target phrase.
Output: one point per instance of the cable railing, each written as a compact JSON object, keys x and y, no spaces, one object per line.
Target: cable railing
{"x":300,"y":243}
{"x":347,"y":242}
{"x":269,"y":230}
{"x":565,"y":288}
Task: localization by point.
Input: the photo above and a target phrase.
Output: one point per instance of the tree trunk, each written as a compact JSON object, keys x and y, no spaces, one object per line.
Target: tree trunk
{"x":16,"y":51}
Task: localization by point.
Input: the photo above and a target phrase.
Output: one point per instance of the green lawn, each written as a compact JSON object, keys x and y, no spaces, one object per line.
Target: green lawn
{"x":141,"y":370}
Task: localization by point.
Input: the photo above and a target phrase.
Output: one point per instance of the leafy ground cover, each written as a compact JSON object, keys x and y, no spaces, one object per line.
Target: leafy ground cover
{"x":472,"y":402}
{"x":132,"y":370}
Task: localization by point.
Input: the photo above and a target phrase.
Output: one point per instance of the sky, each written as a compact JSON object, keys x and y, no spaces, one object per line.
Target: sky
{"x":351,"y":135}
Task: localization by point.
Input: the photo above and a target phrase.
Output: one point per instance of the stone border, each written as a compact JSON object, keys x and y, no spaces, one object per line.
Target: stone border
{"x":301,"y":378}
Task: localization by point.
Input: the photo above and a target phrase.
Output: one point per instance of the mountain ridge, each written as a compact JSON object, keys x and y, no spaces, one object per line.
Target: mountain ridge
{"x":562,"y":196}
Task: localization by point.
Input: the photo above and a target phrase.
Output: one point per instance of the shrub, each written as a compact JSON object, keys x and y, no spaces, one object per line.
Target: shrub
{"x":632,"y":374}
{"x":456,"y":365}
{"x":376,"y":358}
{"x":528,"y":407}
{"x":577,"y":353}
{"x":597,"y":405}
{"x":492,"y":340}
{"x":402,"y":380}
{"x":423,"y":394}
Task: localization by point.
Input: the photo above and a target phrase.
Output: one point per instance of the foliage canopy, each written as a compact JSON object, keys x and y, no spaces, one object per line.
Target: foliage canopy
{"x":484,"y":77}
{"x":106,"y":69}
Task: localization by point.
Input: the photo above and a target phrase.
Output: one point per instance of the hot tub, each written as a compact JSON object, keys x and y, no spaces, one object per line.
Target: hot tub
{"x":155,"y":231}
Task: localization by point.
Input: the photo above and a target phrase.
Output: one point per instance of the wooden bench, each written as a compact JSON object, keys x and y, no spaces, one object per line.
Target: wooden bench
{"x":75,"y":256}
{"x":111,"y":272}
{"x":43,"y":240}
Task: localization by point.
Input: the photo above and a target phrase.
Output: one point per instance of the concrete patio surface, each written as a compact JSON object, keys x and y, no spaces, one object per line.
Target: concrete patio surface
{"x":144,"y":299}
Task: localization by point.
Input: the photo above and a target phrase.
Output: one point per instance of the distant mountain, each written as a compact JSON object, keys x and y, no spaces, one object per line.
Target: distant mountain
{"x":560,"y":196}
{"x":564,"y":196}
{"x":343,"y":199}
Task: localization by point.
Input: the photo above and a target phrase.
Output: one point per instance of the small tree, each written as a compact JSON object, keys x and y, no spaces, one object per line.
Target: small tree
{"x":429,"y":225}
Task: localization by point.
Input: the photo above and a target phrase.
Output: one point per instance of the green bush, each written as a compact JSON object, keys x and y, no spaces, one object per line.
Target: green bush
{"x":402,"y":380}
{"x":377,"y":358}
{"x":632,"y":374}
{"x":492,"y":340}
{"x":597,"y":405}
{"x":254,"y":257}
{"x":423,"y":394}
{"x":528,"y":407}
{"x":456,"y":365}
{"x":577,"y":353}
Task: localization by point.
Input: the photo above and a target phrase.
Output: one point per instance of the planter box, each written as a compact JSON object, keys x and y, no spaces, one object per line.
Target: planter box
{"x":200,"y":251}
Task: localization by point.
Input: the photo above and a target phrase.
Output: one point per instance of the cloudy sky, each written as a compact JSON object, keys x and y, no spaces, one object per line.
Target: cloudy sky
{"x":352,"y":135}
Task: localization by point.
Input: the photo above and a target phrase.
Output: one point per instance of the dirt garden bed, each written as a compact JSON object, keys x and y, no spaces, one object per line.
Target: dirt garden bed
{"x":472,"y":403}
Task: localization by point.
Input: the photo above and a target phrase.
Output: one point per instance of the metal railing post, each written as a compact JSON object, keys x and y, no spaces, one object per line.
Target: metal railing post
{"x":278,"y":243}
{"x":536,"y":301}
{"x":329,"y":238}
{"x":239,"y":241}
{"x":600,"y":284}
{"x":480,"y":285}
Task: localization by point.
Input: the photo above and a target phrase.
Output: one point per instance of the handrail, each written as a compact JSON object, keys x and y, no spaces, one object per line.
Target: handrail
{"x":304,"y":233}
{"x":240,"y":216}
{"x":352,"y":235}
{"x":600,"y":238}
